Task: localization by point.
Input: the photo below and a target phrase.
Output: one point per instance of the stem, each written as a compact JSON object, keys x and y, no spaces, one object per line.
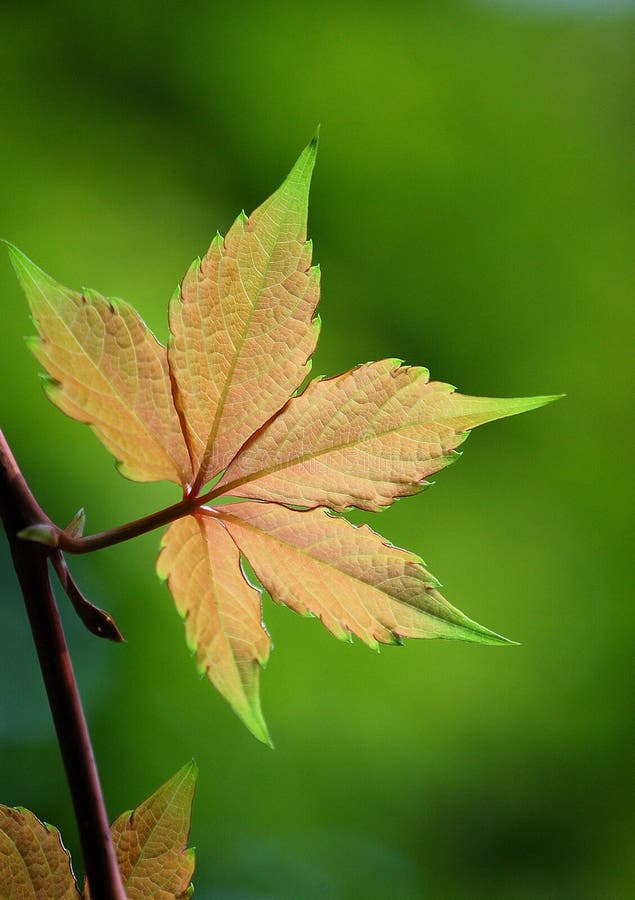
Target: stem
{"x":18,"y":510}
{"x":130,"y":529}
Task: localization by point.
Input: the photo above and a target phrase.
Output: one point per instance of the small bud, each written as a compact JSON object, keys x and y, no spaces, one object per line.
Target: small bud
{"x":75,"y":527}
{"x":40,"y":534}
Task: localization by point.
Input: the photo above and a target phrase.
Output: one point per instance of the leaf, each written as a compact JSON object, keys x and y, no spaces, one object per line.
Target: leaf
{"x":107,"y":369}
{"x":220,"y":404}
{"x":241,"y":327}
{"x":361,"y":439}
{"x":222,"y":612}
{"x":151,"y":842}
{"x":348,"y":576}
{"x":34,"y":864}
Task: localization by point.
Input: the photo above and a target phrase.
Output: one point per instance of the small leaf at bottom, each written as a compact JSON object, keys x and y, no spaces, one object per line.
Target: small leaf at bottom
{"x":34,"y":863}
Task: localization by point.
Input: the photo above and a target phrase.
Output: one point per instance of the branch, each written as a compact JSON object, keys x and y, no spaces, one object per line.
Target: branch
{"x":19,"y":510}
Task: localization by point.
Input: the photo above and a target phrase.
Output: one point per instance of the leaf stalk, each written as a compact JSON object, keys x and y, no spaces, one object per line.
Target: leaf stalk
{"x":130,"y":530}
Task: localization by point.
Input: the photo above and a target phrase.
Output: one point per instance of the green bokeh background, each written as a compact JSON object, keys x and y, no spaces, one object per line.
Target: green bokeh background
{"x":472,"y":211}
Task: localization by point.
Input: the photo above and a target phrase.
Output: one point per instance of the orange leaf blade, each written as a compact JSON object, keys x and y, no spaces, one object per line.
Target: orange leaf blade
{"x":33,"y":861}
{"x":151,"y":842}
{"x":241,"y":327}
{"x":222,"y":612}
{"x":349,"y":577}
{"x":361,"y":439}
{"x":107,"y":369}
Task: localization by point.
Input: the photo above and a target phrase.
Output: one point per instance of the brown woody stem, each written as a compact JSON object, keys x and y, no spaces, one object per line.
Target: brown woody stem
{"x":19,"y":510}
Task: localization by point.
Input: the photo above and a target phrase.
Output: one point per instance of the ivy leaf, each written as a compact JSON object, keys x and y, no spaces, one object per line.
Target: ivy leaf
{"x":222,"y":612}
{"x":353,"y":580}
{"x":220,"y":404}
{"x":242,"y":327}
{"x":361,"y":439}
{"x":151,"y":842}
{"x":33,"y":861}
{"x":107,"y":369}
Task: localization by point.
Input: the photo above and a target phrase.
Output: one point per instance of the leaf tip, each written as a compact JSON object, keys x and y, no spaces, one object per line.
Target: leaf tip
{"x":12,"y":250}
{"x":19,"y":260}
{"x":516,"y":405}
{"x":255,"y":722}
{"x":537,"y":402}
{"x":478,"y":634}
{"x":25,"y":268}
{"x":298,"y":180}
{"x":550,"y":398}
{"x":190,"y":771}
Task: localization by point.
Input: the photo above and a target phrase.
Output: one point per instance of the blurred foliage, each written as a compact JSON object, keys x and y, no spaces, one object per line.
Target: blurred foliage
{"x":472,"y":211}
